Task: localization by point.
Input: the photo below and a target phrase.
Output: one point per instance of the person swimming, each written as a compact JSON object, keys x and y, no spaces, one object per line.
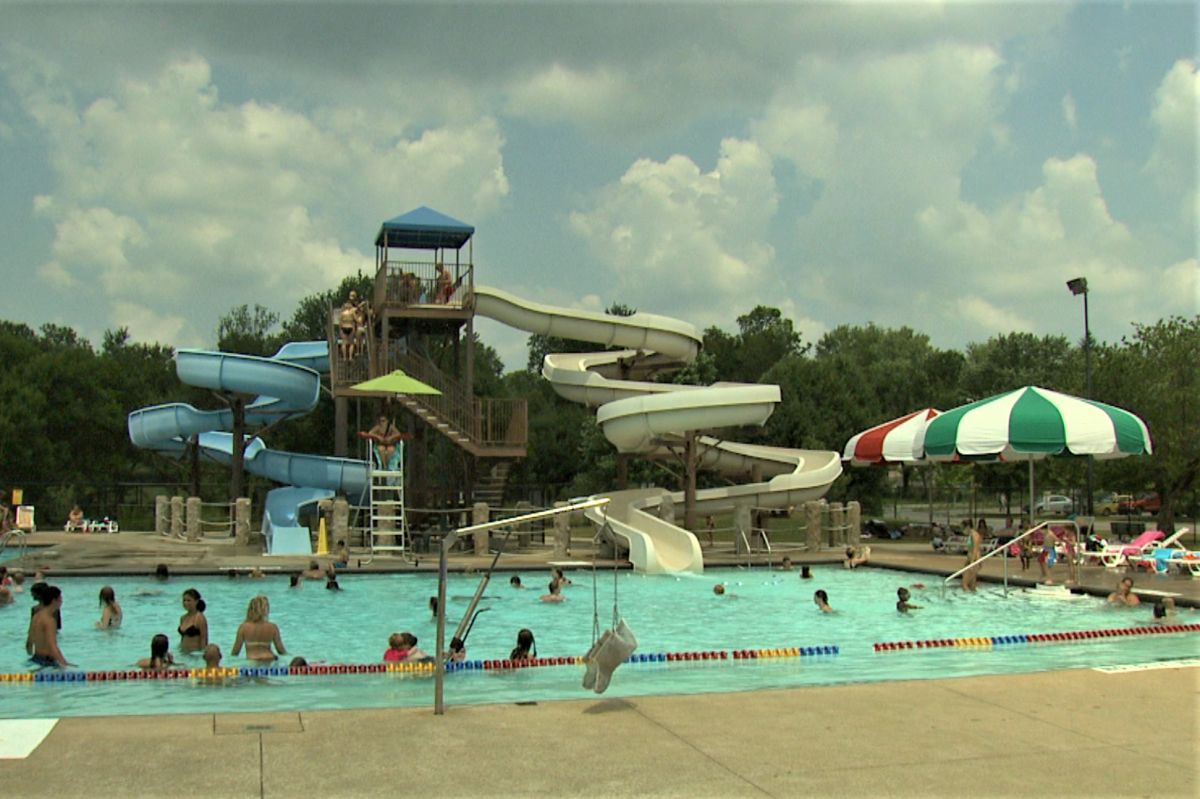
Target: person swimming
{"x":903,"y":605}
{"x":822,"y":600}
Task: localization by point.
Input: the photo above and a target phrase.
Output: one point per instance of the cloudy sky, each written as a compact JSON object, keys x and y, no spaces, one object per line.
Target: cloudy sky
{"x":946,"y":166}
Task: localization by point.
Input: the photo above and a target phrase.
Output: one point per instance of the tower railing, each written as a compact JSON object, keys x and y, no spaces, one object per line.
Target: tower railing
{"x":485,"y":421}
{"x":405,"y":283}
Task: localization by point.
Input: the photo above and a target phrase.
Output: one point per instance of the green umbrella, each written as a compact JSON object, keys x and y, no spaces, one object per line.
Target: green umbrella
{"x":1032,"y":423}
{"x":397,"y":382}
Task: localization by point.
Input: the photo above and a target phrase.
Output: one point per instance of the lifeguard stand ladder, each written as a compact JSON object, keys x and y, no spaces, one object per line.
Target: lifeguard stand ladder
{"x":388,"y":531}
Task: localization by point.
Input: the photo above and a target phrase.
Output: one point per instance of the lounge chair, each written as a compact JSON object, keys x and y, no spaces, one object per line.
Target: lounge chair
{"x":1115,"y":555}
{"x":1169,"y":552}
{"x":1160,"y":561}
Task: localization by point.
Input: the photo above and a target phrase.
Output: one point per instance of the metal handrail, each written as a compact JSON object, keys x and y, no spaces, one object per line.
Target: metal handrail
{"x":17,"y":533}
{"x":1004,"y":548}
{"x":447,"y":542}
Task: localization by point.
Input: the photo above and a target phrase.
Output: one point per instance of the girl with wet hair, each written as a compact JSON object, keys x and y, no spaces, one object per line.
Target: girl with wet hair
{"x":526,"y":648}
{"x":110,"y":613}
{"x":160,"y":655}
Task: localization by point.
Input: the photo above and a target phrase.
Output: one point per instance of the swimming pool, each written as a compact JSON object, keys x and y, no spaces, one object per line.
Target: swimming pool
{"x":762,"y":610}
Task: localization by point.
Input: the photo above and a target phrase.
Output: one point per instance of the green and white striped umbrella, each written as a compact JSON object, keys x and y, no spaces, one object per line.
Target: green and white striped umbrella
{"x":1032,"y":423}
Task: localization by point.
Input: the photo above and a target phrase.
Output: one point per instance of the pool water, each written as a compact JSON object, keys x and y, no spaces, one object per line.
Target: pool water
{"x":761,"y":610}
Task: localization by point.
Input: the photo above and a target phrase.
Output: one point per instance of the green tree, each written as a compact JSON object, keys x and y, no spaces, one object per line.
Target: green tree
{"x":764,"y":338}
{"x":249,"y":332}
{"x":1153,"y":373}
{"x":311,"y":319}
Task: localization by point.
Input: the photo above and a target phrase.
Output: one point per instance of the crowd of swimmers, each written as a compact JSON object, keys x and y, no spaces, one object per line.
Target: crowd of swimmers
{"x":262,"y":641}
{"x":257,"y":635}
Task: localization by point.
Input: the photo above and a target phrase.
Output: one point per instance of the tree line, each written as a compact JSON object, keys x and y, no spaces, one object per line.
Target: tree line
{"x":63,"y":430}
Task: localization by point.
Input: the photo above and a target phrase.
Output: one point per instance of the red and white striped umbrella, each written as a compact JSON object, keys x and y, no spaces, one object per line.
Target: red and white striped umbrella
{"x":898,"y":441}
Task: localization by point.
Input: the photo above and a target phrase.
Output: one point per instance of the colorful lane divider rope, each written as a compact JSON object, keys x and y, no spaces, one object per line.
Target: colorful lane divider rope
{"x":415,"y":669}
{"x":1034,"y":638}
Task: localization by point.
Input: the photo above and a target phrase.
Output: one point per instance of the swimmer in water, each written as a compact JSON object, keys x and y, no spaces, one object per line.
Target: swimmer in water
{"x":822,"y":600}
{"x":903,"y":605}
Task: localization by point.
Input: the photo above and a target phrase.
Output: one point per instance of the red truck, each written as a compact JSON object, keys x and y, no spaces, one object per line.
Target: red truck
{"x":1149,"y":503}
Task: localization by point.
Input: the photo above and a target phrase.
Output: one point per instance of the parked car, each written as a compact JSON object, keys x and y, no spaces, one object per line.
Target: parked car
{"x":1149,"y":502}
{"x":1054,"y":504}
{"x":1109,"y":504}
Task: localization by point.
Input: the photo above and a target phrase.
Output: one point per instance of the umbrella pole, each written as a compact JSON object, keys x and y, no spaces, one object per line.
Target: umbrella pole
{"x":1032,"y":504}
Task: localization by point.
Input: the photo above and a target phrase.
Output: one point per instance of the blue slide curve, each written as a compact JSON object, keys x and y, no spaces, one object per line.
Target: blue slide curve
{"x":287,"y":384}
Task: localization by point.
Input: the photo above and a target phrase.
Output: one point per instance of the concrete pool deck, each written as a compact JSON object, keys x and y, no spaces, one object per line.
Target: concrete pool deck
{"x":1066,"y":733}
{"x":1081,"y":732}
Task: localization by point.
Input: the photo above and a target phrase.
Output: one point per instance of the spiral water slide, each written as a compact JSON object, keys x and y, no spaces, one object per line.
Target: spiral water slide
{"x":288,"y":384}
{"x":648,"y":418}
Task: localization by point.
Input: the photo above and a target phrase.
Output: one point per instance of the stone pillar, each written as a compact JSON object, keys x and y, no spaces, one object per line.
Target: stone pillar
{"x":480,"y":514}
{"x":524,"y":531}
{"x":854,"y":514}
{"x":743,"y":522}
{"x":192,"y":506}
{"x":162,"y":515}
{"x":177,"y":517}
{"x":339,"y":522}
{"x":837,"y":521}
{"x":241,"y":521}
{"x":812,"y":523}
{"x":562,"y":532}
{"x":666,"y":509}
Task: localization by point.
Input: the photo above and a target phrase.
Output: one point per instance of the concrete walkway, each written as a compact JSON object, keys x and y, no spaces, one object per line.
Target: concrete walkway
{"x":1077,"y":733}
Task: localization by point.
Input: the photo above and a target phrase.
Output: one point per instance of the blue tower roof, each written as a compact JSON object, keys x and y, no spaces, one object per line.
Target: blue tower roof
{"x":424,"y":229}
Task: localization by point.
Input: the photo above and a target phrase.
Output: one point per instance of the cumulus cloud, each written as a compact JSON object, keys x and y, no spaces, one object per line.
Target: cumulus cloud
{"x":165,"y":191}
{"x":1070,"y":113}
{"x":885,"y":134}
{"x":684,"y":237}
{"x":1172,"y":162}
{"x":1020,"y":255}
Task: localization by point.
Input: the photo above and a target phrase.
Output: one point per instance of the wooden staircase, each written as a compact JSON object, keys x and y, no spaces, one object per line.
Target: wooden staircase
{"x":483,"y":427}
{"x":489,"y":486}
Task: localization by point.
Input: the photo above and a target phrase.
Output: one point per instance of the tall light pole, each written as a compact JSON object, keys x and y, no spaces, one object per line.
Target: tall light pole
{"x":1079,"y":286}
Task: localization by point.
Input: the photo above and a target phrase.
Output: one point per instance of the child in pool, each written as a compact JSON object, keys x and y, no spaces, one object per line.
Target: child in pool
{"x":903,"y":605}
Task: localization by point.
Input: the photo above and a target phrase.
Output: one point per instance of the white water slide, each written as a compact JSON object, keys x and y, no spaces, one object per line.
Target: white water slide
{"x":644,"y":417}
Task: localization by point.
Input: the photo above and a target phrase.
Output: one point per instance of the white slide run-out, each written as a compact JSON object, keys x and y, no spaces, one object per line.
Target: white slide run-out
{"x":639,"y":416}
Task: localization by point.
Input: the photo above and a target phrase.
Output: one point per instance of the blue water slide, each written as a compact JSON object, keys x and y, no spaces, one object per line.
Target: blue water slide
{"x":287,"y":384}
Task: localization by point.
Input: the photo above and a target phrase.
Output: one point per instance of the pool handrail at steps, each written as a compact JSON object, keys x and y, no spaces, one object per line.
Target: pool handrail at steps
{"x":447,"y":542}
{"x":1002,"y":548}
{"x":19,"y":535}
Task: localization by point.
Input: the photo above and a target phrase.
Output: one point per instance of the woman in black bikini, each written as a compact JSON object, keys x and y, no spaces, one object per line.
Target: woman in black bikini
{"x":193,"y":627}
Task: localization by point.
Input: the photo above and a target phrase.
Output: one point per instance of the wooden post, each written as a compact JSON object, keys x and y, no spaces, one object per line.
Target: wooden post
{"x":743,"y":524}
{"x":562,"y":532}
{"x":194,"y":453}
{"x":854,"y":519}
{"x":812,"y":523}
{"x":340,"y":522}
{"x":689,"y":488}
{"x":479,"y":515}
{"x":177,"y":517}
{"x":837,"y":522}
{"x":193,"y":518}
{"x":237,"y":478}
{"x":341,"y":411}
{"x":241,"y":521}
{"x":162,"y":515}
